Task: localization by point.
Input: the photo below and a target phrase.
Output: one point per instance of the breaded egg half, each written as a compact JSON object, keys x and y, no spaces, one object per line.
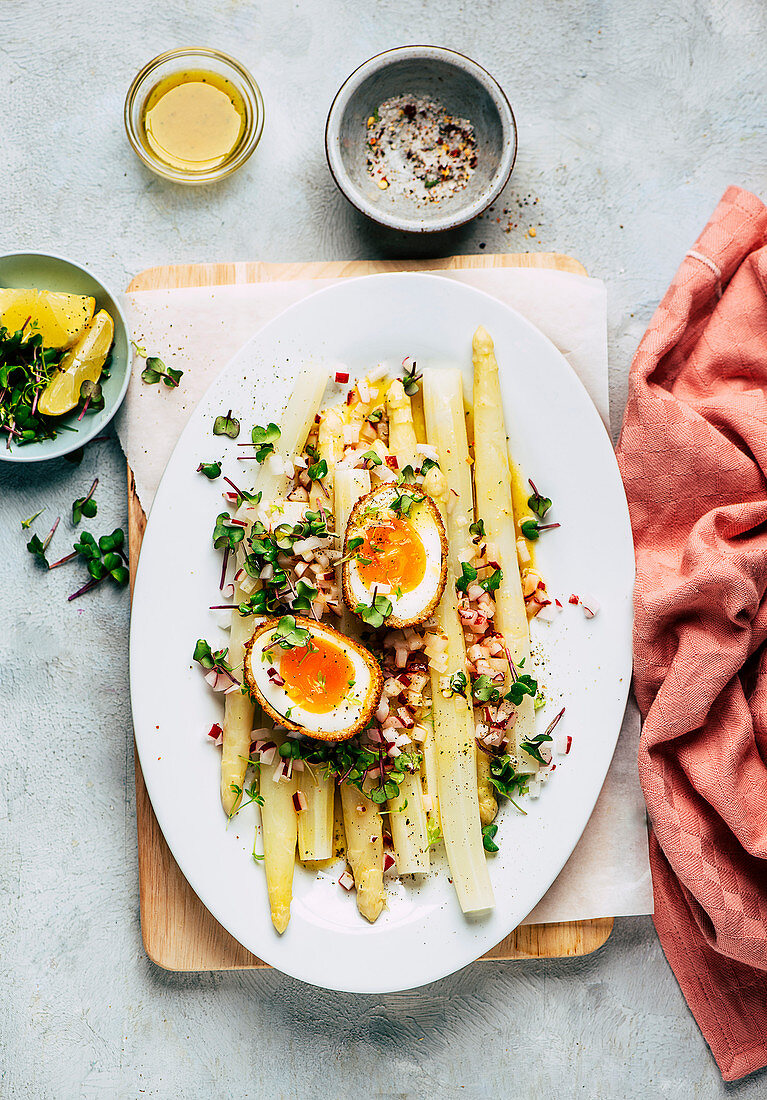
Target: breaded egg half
{"x":395,"y":547}
{"x":312,"y":679}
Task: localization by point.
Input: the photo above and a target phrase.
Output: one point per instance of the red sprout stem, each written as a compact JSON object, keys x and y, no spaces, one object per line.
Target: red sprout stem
{"x":51,"y":533}
{"x":554,"y":722}
{"x":85,"y":406}
{"x":64,"y":560}
{"x":85,"y":588}
{"x":235,"y":487}
{"x":223,"y":569}
{"x":548,"y":526}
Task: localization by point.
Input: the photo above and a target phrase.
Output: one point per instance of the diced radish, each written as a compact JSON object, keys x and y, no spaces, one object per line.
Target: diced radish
{"x":346,"y":881}
{"x":388,"y":862}
{"x":590,"y":606}
{"x":342,"y":377}
{"x":391,"y":462}
{"x":216,"y":733}
{"x":574,"y":599}
{"x":299,"y":801}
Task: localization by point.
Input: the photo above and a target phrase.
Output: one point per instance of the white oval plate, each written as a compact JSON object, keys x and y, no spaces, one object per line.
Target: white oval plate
{"x":559,"y":440}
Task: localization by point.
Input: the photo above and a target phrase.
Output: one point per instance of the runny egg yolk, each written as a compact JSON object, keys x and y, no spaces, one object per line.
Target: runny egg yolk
{"x":393,"y":554}
{"x":317,"y":677}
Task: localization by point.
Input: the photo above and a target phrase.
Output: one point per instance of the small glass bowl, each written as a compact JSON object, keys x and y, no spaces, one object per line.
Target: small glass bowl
{"x":166,"y":64}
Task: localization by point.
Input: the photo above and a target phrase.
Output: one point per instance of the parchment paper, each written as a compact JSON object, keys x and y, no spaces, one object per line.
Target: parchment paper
{"x":199,"y":329}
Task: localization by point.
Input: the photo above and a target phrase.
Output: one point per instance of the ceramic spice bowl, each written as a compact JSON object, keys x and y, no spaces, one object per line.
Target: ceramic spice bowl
{"x":459,"y":85}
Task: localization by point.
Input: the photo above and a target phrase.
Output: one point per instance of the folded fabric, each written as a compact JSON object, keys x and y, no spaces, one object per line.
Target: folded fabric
{"x":693,"y":454}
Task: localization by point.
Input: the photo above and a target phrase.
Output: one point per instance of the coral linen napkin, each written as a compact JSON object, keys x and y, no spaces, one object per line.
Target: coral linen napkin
{"x":693,"y":453}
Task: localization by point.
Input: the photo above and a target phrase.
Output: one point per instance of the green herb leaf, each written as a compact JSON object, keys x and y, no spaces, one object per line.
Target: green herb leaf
{"x":227,"y":534}
{"x":485,"y":691}
{"x":410,"y":375}
{"x":374,"y":416}
{"x":477,"y":530}
{"x":264,"y":440}
{"x":532,"y":746}
{"x":376,"y":612}
{"x":319,"y":470}
{"x":530,"y":529}
{"x":458,"y":684}
{"x":212,"y":470}
{"x":488,"y":838}
{"x":227,"y":425}
{"x":289,"y":635}
{"x":538,"y":503}
{"x":172,"y":377}
{"x":371,"y":458}
{"x":433,"y":832}
{"x":36,"y":547}
{"x":492,"y":581}
{"x":428,"y":464}
{"x":522,"y":686}
{"x":467,"y":577}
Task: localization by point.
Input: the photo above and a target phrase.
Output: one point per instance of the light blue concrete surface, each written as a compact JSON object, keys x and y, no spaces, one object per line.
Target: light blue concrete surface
{"x":633,"y":118}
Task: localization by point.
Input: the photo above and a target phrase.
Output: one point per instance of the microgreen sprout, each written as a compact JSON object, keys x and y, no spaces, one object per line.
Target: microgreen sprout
{"x":155,"y":370}
{"x":488,"y":837}
{"x":371,"y":458}
{"x":433,"y":832}
{"x":538,"y":503}
{"x":227,"y":425}
{"x":38,"y":547}
{"x":243,"y":494}
{"x":457,"y":684}
{"x":477,"y":530}
{"x":377,"y":611}
{"x":27,"y":523}
{"x":91,"y":396}
{"x":410,"y":377}
{"x":374,"y":416}
{"x":289,"y":635}
{"x":404,"y":501}
{"x":103,"y":559}
{"x":428,"y":464}
{"x":226,"y":534}
{"x":209,"y":658}
{"x":264,"y":440}
{"x":522,"y":686}
{"x":469,"y":575}
{"x":212,"y":470}
{"x":531,"y":529}
{"x":318,"y":470}
{"x":85,"y":506}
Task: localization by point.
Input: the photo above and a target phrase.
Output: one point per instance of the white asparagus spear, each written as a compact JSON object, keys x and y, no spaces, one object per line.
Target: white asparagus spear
{"x":407,"y":817}
{"x":363,"y":827}
{"x":315,"y":823}
{"x":494,"y":505}
{"x":279,"y":827}
{"x":443,"y":405}
{"x":456,"y":752}
{"x":297,"y":422}
{"x":364,"y":850}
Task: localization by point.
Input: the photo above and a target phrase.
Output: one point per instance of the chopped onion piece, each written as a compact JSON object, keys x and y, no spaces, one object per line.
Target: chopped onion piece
{"x":590,"y":606}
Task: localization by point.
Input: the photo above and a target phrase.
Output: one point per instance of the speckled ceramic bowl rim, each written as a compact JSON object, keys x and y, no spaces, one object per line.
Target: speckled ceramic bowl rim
{"x":250,"y":139}
{"x":83,"y":435}
{"x":432,"y":53}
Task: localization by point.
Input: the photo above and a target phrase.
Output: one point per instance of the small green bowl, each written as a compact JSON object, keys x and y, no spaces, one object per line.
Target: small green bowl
{"x":47,"y":272}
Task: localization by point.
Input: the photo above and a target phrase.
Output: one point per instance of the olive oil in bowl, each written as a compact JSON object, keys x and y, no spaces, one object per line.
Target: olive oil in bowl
{"x":194,"y":116}
{"x":193,"y":120}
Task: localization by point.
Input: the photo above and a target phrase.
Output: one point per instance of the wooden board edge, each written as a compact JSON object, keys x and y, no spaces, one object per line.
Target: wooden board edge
{"x":213,"y":274}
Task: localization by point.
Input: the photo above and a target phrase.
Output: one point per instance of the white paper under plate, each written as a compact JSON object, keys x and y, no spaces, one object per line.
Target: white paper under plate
{"x":423,"y":935}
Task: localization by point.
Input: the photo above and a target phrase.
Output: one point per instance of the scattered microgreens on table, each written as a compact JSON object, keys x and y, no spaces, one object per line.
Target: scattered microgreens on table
{"x":155,"y":369}
{"x":85,"y":506}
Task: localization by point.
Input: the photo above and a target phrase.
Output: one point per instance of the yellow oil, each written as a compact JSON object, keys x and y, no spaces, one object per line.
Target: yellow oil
{"x":193,"y":120}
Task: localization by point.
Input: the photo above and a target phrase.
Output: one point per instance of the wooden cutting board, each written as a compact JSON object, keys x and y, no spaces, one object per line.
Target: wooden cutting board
{"x":178,"y":931}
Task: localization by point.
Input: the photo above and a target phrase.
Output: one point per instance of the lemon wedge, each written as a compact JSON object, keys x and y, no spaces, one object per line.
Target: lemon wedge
{"x":60,"y":318}
{"x":82,"y":363}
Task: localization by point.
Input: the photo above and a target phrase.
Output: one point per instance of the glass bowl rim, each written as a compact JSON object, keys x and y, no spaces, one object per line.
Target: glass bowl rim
{"x":251,"y":137}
